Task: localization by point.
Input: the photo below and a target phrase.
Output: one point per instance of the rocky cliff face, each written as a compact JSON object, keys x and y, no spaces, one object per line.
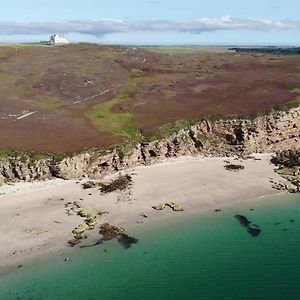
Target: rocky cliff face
{"x":288,"y":163}
{"x":276,"y":131}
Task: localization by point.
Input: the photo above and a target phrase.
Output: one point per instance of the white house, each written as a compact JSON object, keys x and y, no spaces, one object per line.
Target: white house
{"x":56,"y":39}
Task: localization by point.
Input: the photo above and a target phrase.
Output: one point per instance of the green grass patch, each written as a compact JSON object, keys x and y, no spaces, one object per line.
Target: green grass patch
{"x":202,"y":137}
{"x":173,"y":128}
{"x":125,"y":148}
{"x":6,"y":153}
{"x":295,"y":102}
{"x":215,"y":118}
{"x":169,"y":129}
{"x":57,"y":158}
{"x":122,"y":124}
{"x":38,"y":156}
{"x":9,"y":76}
{"x":46,"y":102}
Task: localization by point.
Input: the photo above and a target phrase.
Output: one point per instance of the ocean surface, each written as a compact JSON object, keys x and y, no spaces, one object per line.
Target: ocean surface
{"x":203,"y":256}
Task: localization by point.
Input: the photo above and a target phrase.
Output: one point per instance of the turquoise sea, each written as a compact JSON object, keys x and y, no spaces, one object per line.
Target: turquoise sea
{"x":203,"y":256}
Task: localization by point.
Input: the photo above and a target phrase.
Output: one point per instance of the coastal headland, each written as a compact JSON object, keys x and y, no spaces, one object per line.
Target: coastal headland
{"x":178,"y":132}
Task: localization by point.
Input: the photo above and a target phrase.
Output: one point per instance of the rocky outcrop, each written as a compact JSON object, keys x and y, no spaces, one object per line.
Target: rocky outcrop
{"x":122,"y":183}
{"x":109,"y":231}
{"x":89,"y":185}
{"x":287,"y":158}
{"x":278,"y":130}
{"x":23,"y":168}
{"x":288,"y":163}
{"x":90,"y":220}
{"x":174,"y":206}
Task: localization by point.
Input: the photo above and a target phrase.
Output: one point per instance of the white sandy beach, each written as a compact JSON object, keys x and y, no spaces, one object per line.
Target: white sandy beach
{"x":33,"y":218}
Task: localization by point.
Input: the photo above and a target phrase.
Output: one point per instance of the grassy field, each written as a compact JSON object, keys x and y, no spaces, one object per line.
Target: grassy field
{"x":122,"y":124}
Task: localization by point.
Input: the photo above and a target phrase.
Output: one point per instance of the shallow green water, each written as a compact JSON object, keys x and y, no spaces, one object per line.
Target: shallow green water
{"x":206,"y":256}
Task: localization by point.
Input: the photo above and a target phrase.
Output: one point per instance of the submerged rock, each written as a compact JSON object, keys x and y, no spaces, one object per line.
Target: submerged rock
{"x":126,"y":241}
{"x":253,"y":230}
{"x":243,"y":220}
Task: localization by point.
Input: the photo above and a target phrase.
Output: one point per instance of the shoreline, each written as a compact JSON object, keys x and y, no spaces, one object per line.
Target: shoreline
{"x":34,"y":221}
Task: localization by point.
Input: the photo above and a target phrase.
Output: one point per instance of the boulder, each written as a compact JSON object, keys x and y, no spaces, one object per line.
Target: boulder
{"x":175,"y":206}
{"x":74,"y":242}
{"x":89,"y":185}
{"x":160,"y":206}
{"x":110,"y":231}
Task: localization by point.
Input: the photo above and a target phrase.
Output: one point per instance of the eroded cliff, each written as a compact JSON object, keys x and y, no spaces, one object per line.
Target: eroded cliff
{"x":270,"y":133}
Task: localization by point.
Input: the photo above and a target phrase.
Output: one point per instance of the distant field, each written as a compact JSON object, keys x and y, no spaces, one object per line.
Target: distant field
{"x":68,"y":98}
{"x":187,"y":49}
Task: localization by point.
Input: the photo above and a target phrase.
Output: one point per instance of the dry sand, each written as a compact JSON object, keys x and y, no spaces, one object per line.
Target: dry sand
{"x":33,"y":218}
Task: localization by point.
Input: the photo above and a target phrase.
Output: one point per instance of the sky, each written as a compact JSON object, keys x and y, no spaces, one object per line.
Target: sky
{"x":230,"y":22}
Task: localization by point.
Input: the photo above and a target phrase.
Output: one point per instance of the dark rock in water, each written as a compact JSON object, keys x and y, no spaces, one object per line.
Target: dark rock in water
{"x":252,"y":209}
{"x":218,"y":210}
{"x":110,"y":231}
{"x":126,"y":241}
{"x":20,"y":266}
{"x":243,"y":220}
{"x":277,"y":223}
{"x":292,"y":221}
{"x":253,"y":231}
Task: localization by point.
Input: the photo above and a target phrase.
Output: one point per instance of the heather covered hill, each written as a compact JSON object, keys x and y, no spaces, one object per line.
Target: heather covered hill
{"x":67,"y":98}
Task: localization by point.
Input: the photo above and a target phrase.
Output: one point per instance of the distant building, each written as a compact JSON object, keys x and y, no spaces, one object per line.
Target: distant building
{"x":56,"y":39}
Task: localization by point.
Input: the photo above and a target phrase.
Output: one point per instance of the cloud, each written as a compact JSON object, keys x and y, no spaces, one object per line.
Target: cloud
{"x":108,"y":26}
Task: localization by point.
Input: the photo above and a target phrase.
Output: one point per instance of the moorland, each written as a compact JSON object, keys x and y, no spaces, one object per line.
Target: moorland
{"x":65,"y":99}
